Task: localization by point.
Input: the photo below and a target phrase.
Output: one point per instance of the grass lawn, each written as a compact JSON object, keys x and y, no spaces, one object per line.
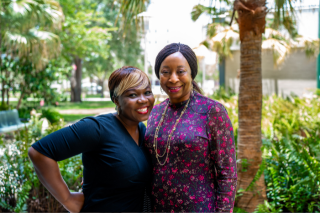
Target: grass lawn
{"x":70,"y":118}
{"x":70,"y":105}
{"x":85,"y":105}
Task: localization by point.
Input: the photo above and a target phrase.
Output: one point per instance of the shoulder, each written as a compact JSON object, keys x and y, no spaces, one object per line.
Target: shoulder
{"x":160,"y":106}
{"x":106,"y":121}
{"x":204,"y":105}
{"x":158,"y":109}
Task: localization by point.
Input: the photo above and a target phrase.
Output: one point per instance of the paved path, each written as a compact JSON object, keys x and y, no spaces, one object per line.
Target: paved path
{"x":87,"y":111}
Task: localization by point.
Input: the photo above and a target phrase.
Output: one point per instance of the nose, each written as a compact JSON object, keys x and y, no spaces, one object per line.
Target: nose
{"x":142,"y":99}
{"x":173,"y":78}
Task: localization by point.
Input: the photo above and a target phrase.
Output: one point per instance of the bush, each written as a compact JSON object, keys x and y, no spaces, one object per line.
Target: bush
{"x":4,"y":107}
{"x":20,"y":188}
{"x":52,"y":115}
{"x":291,"y":152}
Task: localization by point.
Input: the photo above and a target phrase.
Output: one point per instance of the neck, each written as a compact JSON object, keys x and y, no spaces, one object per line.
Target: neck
{"x":128,"y":124}
{"x":181,"y":99}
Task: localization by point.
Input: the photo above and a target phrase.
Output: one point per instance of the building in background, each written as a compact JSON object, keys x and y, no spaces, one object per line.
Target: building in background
{"x":297,"y":74}
{"x":171,"y":22}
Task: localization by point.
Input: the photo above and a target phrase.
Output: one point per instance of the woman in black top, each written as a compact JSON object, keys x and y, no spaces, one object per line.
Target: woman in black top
{"x":116,"y":169}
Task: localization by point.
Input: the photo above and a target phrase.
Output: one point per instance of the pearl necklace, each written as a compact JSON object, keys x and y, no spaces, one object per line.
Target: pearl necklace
{"x":167,"y":149}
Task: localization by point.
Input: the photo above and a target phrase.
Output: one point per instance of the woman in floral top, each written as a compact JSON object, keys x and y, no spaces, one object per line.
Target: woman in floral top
{"x":190,"y":138}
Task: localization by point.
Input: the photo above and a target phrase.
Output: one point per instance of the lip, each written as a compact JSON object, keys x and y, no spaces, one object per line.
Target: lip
{"x":144,"y":112}
{"x":174,"y":89}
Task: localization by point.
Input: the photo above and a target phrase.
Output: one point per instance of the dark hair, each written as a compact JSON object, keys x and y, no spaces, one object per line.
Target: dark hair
{"x":189,"y":55}
{"x":124,"y":78}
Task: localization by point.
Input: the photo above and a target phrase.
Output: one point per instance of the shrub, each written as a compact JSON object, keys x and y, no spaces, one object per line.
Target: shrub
{"x":20,"y":188}
{"x":52,"y":115}
{"x":4,"y":107}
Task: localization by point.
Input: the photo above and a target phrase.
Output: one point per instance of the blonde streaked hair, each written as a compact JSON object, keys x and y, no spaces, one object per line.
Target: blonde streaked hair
{"x":125,"y":78}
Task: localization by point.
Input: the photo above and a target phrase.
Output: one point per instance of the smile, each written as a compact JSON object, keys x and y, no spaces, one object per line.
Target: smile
{"x":174,"y":89}
{"x":143,"y":110}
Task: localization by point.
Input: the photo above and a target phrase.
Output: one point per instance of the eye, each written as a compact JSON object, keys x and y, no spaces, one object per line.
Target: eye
{"x":181,"y":71}
{"x":132,"y":95}
{"x":164,"y":72}
{"x":148,"y":92}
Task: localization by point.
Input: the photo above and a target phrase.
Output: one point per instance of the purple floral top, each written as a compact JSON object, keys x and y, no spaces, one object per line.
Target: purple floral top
{"x":200,"y":173}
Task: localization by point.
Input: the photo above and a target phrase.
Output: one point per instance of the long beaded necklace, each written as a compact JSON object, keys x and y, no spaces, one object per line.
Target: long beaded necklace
{"x":167,"y":149}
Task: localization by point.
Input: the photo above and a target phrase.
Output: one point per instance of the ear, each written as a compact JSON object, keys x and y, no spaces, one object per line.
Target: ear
{"x":116,"y":101}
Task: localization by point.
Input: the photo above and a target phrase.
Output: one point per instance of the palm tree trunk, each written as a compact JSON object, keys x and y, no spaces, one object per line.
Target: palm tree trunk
{"x":251,"y":24}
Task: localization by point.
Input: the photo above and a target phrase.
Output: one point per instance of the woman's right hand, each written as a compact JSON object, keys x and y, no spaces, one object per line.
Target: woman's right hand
{"x":74,"y":202}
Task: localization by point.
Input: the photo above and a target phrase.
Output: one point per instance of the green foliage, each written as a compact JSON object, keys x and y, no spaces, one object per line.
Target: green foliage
{"x":128,"y":11}
{"x":20,"y":188}
{"x":124,"y":45}
{"x":4,"y":106}
{"x":84,"y":31}
{"x":223,"y":94}
{"x":51,"y":114}
{"x":291,"y":150}
{"x":27,"y":30}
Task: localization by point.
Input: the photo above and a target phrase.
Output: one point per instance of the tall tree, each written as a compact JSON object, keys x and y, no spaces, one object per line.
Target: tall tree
{"x":124,"y":46}
{"x":84,"y":34}
{"x":251,"y":17}
{"x":27,"y":31}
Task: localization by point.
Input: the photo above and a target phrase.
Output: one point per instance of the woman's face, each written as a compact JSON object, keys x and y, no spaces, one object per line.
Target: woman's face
{"x":136,"y":104}
{"x":175,"y":77}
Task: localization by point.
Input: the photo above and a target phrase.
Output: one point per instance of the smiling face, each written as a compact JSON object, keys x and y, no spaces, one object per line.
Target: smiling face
{"x":175,"y":77}
{"x":135,"y":104}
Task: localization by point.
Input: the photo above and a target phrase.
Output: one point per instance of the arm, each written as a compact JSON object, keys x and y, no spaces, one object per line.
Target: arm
{"x":83,"y":136}
{"x":49,"y":174}
{"x":224,"y":157}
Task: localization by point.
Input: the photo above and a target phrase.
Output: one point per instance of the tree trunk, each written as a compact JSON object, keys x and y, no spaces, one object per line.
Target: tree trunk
{"x":3,"y":93}
{"x":101,"y":83}
{"x":20,"y":100}
{"x":251,"y":21}
{"x":76,"y":81}
{"x":8,"y":96}
{"x":222,"y":71}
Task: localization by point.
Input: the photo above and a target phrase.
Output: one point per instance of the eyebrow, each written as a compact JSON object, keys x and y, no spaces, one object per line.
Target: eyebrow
{"x":180,"y":66}
{"x":129,"y":90}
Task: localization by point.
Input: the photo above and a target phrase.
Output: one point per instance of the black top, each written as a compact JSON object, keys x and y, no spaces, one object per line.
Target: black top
{"x":115,"y":169}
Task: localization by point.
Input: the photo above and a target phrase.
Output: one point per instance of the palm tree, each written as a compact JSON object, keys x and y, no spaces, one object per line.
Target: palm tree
{"x":251,"y":19}
{"x":251,"y":15}
{"x":26,"y":32}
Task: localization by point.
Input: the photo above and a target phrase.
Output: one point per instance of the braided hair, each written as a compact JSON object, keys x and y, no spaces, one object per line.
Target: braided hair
{"x":189,"y":55}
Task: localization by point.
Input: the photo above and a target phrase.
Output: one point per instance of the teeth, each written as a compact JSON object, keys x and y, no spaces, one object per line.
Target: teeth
{"x":143,"y":109}
{"x":173,"y":88}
